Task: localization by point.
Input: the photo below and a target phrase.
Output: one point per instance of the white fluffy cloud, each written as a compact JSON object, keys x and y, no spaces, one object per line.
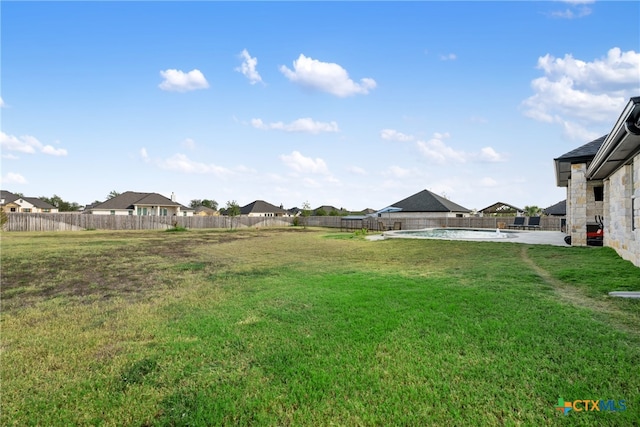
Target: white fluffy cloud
{"x":179,"y":81}
{"x":326,"y":77}
{"x":248,"y":67}
{"x":13,"y":178}
{"x":306,"y":125}
{"x":578,"y":94}
{"x":435,"y":149}
{"x":300,"y":163}
{"x":394,"y":135}
{"x":448,"y":57}
{"x":2,"y":104}
{"x":488,"y":154}
{"x":28,"y":144}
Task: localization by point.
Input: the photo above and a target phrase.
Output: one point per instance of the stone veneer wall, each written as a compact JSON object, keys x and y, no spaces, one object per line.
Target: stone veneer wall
{"x":620,"y":233}
{"x":577,"y":205}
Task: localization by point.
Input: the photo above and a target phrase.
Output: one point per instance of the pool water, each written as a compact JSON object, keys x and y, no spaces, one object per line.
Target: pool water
{"x":453,"y":233}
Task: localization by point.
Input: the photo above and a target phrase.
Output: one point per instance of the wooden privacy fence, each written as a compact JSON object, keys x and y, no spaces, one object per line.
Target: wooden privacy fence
{"x":77,"y":221}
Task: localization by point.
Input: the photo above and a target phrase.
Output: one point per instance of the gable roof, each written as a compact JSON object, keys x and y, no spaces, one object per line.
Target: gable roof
{"x":559,"y":209}
{"x":129,"y":199}
{"x":500,"y":207}
{"x":39,"y":203}
{"x":328,"y":209}
{"x":260,"y":206}
{"x":8,"y":196}
{"x":36,"y":202}
{"x":583,"y":154}
{"x":426,"y":201}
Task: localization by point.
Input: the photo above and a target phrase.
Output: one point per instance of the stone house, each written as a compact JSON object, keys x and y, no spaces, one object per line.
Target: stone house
{"x":602,"y":179}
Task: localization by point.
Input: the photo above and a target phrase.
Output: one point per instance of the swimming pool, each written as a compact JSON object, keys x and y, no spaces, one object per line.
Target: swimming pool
{"x":452,"y":234}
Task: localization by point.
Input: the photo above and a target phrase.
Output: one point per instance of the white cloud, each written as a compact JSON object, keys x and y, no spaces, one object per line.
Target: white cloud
{"x":488,"y":154}
{"x":248,"y":67}
{"x":181,"y":163}
{"x":393,"y":135}
{"x":144,"y":155}
{"x":2,"y":104}
{"x":435,"y":149}
{"x":48,"y":149}
{"x":586,"y":93}
{"x":300,"y":163}
{"x":13,"y":178}
{"x":28,"y":144}
{"x":448,"y":57}
{"x":10,"y":156}
{"x":306,"y":125}
{"x":326,"y":77}
{"x":179,"y":81}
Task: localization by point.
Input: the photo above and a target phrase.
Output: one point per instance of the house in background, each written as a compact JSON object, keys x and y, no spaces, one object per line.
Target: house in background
{"x":501,"y":209}
{"x":329,"y":210}
{"x":424,"y":204}
{"x":10,"y":202}
{"x":262,"y":208}
{"x":602,"y":178}
{"x":144,"y":204}
{"x":205,"y":211}
{"x":559,"y":209}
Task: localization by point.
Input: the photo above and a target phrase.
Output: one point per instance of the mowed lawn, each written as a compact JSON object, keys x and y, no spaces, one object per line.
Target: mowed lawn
{"x":311,"y":327}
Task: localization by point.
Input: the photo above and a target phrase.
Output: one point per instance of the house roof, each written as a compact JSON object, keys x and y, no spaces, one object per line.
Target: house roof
{"x":205,"y":209}
{"x":559,"y":209}
{"x":582,"y":154}
{"x":500,"y":207}
{"x":328,"y":209}
{"x":260,"y":206}
{"x":426,"y":201}
{"x":39,"y":203}
{"x":9,"y":197}
{"x":622,"y":143}
{"x":129,"y":199}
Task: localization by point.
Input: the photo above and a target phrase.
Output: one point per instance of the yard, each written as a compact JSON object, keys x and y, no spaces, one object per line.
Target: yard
{"x":312,"y":327}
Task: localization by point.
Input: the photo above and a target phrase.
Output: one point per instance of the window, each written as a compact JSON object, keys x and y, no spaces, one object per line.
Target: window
{"x":46,"y":210}
{"x":26,"y":210}
{"x":598,"y":193}
{"x":13,"y":209}
{"x":112,"y":212}
{"x":130,"y":212}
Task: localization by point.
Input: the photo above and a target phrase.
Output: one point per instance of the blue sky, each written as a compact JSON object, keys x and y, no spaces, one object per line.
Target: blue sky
{"x":351,"y":104}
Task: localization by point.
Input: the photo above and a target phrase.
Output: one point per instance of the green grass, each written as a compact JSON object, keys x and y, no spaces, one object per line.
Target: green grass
{"x":311,"y":327}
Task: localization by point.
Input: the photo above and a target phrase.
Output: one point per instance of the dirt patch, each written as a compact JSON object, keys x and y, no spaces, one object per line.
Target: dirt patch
{"x":143,"y":264}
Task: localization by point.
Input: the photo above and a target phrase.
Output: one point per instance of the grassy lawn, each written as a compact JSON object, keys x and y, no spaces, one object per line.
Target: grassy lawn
{"x":311,"y":327}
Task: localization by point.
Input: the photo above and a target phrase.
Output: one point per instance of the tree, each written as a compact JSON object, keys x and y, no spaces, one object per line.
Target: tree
{"x":62,"y":205}
{"x":532,"y":210}
{"x":306,"y":213}
{"x":112,"y":194}
{"x":320,"y":212}
{"x":232,"y":210}
{"x":211,"y":204}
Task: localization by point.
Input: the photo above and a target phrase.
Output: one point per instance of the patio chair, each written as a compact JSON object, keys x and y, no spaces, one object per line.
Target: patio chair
{"x":381,"y":226}
{"x":534,"y":223}
{"x":518,"y":222}
{"x":397,"y":225}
